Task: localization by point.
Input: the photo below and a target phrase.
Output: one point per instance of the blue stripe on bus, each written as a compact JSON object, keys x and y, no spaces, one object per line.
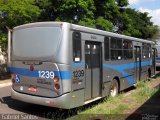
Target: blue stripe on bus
{"x":122,"y":67}
{"x":157,"y":59}
{"x":64,"y":75}
{"x":78,"y":64}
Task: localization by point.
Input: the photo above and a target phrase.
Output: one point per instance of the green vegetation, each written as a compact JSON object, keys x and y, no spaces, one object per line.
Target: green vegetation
{"x":13,"y":13}
{"x":105,"y":109}
{"x":109,"y":15}
{"x":112,"y":108}
{"x":144,"y":92}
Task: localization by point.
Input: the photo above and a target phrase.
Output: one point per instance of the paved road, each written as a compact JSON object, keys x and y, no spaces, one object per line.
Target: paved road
{"x":13,"y":107}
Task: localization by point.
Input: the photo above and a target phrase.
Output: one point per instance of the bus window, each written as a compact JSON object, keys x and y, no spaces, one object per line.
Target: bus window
{"x":127,"y":49}
{"x":76,"y":46}
{"x":106,"y":48}
{"x":146,"y":51}
{"x":116,"y":49}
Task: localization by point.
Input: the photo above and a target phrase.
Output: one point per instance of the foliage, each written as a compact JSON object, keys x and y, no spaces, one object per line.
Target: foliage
{"x":3,"y":41}
{"x":140,"y":24}
{"x":108,"y":15}
{"x":87,"y":22}
{"x":72,"y":11}
{"x":16,"y":12}
{"x":104,"y":24}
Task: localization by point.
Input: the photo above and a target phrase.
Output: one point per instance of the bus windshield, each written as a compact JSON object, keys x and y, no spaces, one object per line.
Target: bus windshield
{"x":36,"y":43}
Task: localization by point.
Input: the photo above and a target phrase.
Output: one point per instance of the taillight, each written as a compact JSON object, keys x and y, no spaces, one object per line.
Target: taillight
{"x":56,"y":79}
{"x":31,"y":68}
{"x":56,"y":86}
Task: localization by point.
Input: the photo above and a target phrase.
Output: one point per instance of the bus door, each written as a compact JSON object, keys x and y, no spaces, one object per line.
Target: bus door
{"x":137,"y":53}
{"x":93,"y":70}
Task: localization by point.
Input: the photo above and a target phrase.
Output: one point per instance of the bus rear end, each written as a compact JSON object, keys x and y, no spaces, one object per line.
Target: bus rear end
{"x":37,"y":76}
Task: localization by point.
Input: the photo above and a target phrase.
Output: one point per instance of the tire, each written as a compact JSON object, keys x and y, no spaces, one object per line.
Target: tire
{"x":149,"y":73}
{"x":114,"y":88}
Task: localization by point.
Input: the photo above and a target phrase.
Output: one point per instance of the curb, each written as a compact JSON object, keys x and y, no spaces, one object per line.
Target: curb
{"x":5,"y":80}
{"x":5,"y":83}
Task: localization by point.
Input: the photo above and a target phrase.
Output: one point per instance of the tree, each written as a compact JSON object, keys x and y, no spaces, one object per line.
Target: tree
{"x":140,"y":24}
{"x":106,"y":15}
{"x":17,"y":12}
{"x":73,"y":11}
{"x":110,"y":10}
{"x":49,"y":9}
{"x":13,"y":13}
{"x":104,"y":24}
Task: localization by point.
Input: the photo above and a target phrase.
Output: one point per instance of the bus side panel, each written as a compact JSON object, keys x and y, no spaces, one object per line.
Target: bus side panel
{"x":75,"y":82}
{"x":66,"y":82}
{"x":146,"y":65}
{"x":75,"y":76}
{"x":111,"y":71}
{"x":124,"y":71}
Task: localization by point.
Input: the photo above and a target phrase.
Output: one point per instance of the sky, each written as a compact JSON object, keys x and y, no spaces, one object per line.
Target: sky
{"x":150,"y":6}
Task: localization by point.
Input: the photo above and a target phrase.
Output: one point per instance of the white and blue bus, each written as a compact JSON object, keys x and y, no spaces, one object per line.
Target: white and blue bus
{"x":63,"y":65}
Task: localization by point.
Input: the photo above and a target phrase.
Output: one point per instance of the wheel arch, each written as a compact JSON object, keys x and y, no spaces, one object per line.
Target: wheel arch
{"x":118,"y":80}
{"x":149,"y":72}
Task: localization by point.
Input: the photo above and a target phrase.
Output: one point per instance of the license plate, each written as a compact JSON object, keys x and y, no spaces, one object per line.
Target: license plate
{"x":32,"y":88}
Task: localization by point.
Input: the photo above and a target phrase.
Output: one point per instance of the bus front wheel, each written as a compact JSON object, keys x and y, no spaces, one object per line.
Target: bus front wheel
{"x":114,"y":88}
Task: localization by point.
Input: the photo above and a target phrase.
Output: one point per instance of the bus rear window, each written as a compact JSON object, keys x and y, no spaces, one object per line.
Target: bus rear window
{"x":36,"y":43}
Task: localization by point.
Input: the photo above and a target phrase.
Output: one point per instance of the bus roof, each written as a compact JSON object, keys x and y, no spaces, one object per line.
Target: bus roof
{"x":106,"y":33}
{"x":83,"y":29}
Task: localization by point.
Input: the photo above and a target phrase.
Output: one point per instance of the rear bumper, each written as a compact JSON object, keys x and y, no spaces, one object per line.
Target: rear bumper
{"x":65,"y":101}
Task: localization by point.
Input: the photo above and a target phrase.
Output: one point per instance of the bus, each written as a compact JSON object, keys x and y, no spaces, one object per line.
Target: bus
{"x":157,"y":57}
{"x":63,"y":65}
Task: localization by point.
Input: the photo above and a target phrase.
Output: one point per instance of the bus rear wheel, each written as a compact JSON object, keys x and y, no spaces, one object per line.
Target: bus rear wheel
{"x":149,"y":73}
{"x":114,"y":88}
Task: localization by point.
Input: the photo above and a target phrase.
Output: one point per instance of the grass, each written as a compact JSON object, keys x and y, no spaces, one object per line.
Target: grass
{"x":110,"y":107}
{"x":144,"y":92}
{"x":103,"y":110}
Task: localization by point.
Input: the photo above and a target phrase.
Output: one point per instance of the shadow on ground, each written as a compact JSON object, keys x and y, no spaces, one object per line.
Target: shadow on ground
{"x":45,"y":112}
{"x":157,"y":74}
{"x":150,"y":110}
